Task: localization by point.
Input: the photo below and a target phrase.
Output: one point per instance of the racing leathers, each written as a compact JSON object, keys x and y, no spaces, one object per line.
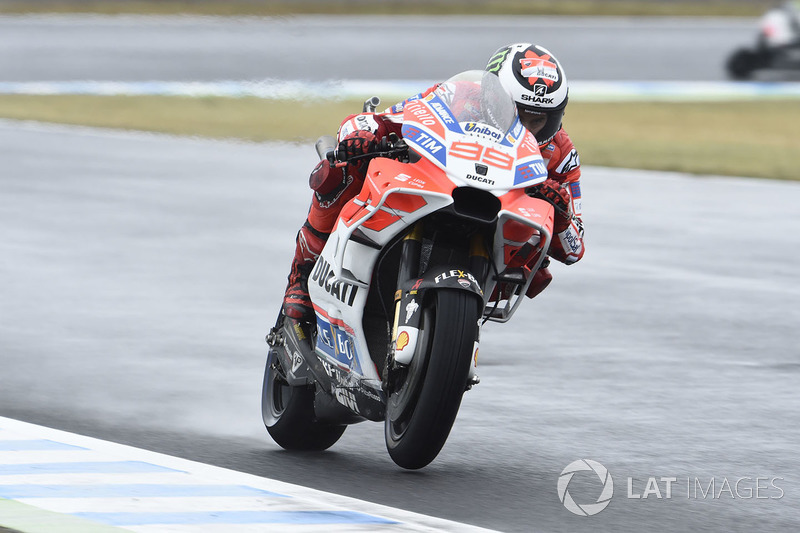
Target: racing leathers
{"x":336,"y":184}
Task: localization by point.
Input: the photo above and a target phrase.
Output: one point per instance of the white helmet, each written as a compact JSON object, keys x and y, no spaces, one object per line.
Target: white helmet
{"x":535,"y":80}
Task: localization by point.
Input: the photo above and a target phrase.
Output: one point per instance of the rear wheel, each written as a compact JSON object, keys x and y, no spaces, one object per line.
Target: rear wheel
{"x":426,"y":396}
{"x":288,"y":413}
{"x":742,"y":64}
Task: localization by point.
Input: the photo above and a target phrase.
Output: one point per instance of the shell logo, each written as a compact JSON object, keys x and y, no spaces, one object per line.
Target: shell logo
{"x":402,"y":340}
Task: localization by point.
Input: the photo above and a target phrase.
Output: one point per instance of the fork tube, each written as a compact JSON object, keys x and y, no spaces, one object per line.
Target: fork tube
{"x":479,"y":258}
{"x":408,"y":268}
{"x":409,"y":255}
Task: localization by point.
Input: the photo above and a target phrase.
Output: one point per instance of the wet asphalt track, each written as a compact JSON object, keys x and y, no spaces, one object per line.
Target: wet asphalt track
{"x":140,"y":272}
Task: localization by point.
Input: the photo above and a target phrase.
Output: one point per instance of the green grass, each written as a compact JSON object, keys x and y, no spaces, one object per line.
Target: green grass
{"x":759,"y":139}
{"x":424,"y":7}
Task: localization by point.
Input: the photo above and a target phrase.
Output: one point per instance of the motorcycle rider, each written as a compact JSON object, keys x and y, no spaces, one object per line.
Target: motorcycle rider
{"x":536,"y":81}
{"x":780,"y":27}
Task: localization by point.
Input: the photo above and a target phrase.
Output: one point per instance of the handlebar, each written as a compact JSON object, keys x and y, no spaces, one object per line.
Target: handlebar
{"x":390,"y":146}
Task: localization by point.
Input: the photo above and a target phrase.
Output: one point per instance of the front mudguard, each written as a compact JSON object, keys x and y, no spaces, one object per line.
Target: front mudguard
{"x":410,"y":297}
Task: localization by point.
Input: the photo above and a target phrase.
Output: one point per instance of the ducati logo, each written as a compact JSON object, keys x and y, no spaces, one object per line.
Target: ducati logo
{"x":533,"y":68}
{"x":537,"y":68}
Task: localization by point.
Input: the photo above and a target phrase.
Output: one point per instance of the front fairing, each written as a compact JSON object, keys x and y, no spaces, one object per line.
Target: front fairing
{"x":468,"y":127}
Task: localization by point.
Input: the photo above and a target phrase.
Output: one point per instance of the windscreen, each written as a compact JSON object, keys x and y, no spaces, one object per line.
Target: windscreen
{"x":476,"y":99}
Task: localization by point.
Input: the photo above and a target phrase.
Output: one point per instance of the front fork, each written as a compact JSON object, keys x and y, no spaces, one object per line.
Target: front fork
{"x":411,"y":284}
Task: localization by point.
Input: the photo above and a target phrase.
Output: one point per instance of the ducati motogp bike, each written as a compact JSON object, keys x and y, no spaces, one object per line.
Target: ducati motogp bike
{"x":418,"y":261}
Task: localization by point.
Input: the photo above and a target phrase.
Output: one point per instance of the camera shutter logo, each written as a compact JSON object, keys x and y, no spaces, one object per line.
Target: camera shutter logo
{"x":587,"y":509}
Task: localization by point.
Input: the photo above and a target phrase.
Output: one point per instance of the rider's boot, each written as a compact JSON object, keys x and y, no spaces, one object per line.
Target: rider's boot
{"x":296,"y":301}
{"x":541,"y":279}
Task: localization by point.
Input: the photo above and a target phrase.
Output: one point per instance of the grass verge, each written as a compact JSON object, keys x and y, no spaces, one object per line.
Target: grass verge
{"x":421,"y":7}
{"x":757,"y":139}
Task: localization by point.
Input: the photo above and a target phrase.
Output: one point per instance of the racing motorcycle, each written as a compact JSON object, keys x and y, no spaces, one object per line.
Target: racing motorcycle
{"x":777,"y":48}
{"x":416,"y":264}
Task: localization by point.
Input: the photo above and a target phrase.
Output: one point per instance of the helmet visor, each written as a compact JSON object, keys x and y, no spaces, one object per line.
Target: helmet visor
{"x":533,"y":121}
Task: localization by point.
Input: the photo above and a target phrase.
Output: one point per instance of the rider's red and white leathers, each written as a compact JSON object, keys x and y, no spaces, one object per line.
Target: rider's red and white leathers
{"x":563,"y":165}
{"x":334,"y":186}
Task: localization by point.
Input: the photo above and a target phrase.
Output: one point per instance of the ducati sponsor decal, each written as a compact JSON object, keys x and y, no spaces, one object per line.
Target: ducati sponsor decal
{"x":575,"y":189}
{"x":536,"y":67}
{"x":480,"y":179}
{"x":405,"y":345}
{"x":346,"y":398}
{"x":411,"y":308}
{"x":482,"y":130}
{"x":402,"y":340}
{"x":570,"y":162}
{"x":421,"y":113}
{"x":444,"y":113}
{"x":425,"y":142}
{"x":530,"y":213}
{"x":369,"y":394}
{"x":536,"y":71}
{"x":335,"y":342}
{"x":459,"y":275}
{"x":341,"y":290}
{"x":532,"y":170}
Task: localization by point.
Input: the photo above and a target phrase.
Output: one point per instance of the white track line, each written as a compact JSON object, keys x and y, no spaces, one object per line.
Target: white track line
{"x":68,"y":477}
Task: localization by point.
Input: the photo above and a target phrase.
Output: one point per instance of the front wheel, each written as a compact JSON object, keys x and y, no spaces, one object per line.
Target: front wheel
{"x":288,"y":413}
{"x":425,"y":398}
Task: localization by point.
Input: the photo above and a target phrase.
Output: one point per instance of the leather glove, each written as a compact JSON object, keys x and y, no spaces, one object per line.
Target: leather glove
{"x":357,"y":143}
{"x":553,"y":192}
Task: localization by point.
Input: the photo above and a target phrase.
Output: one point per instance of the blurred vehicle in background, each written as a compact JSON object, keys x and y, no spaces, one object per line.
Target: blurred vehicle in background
{"x":777,"y":46}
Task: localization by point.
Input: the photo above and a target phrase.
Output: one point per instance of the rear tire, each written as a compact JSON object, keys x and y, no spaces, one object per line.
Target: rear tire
{"x":288,"y":413}
{"x":742,"y":64}
{"x":423,"y":406}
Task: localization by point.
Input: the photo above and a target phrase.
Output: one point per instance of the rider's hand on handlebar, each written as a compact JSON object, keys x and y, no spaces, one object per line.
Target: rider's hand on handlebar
{"x":553,"y":192}
{"x":356,"y":144}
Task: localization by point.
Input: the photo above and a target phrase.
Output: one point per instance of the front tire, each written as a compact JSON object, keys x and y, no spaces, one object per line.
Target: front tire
{"x":423,"y":406}
{"x":288,"y":413}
